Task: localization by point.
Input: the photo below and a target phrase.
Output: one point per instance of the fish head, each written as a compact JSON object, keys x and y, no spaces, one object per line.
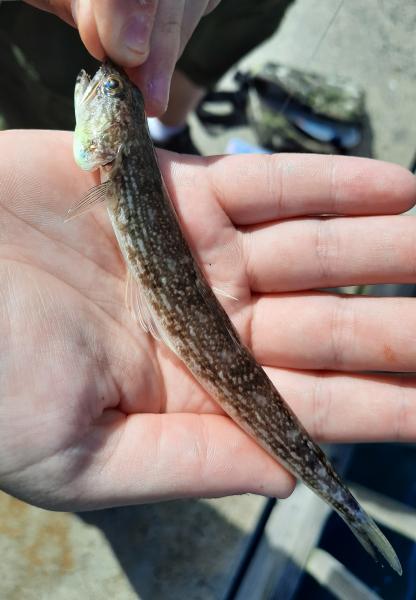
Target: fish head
{"x":103,"y":116}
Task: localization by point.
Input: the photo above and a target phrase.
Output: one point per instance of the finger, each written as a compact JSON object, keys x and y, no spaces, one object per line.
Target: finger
{"x":258,"y":188}
{"x":349,"y":407}
{"x":145,"y":458}
{"x":193,"y":11}
{"x":326,"y":331}
{"x":315,"y":253}
{"x":124,"y":28}
{"x":154,"y":77}
{"x":85,"y":20}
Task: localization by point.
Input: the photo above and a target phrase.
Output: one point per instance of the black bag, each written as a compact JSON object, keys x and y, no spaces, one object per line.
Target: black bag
{"x":290,"y":110}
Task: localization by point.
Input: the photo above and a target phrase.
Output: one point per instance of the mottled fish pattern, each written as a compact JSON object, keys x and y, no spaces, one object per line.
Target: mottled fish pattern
{"x":178,"y":305}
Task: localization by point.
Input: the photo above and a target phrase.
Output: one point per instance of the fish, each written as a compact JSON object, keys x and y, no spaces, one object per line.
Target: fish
{"x":176,"y":304}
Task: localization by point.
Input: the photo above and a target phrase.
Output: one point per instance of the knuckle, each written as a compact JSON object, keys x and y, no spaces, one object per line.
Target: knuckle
{"x":404,"y":412}
{"x":171,"y":27}
{"x":326,"y":249}
{"x":274,"y":178}
{"x":342,"y":330}
{"x":321,"y":405}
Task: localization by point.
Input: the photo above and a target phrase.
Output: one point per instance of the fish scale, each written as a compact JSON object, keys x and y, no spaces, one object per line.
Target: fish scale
{"x":177,"y":301}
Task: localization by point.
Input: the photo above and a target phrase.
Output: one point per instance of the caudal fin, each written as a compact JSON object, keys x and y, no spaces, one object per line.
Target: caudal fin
{"x":373,"y":540}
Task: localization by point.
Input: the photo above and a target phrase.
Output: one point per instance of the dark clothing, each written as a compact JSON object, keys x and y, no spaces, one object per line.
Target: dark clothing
{"x":227,"y":34}
{"x":40,"y":56}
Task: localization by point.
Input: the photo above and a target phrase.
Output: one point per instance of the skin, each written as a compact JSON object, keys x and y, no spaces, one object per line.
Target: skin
{"x":145,"y":36}
{"x":94,"y":413}
{"x":184,"y":98}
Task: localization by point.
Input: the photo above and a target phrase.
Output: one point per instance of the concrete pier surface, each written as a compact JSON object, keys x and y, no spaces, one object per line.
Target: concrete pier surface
{"x":182,"y":549}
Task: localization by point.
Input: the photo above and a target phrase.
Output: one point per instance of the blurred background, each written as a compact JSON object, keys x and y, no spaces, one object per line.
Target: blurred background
{"x":241,"y":547}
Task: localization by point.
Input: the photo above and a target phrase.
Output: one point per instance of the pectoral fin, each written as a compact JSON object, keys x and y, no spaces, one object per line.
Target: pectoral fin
{"x":94,"y":196}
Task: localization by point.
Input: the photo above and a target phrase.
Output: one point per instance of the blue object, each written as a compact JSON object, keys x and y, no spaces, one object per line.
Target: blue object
{"x":239,"y":146}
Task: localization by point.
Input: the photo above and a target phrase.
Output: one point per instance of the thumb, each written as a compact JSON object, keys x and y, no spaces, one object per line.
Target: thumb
{"x":119,"y":29}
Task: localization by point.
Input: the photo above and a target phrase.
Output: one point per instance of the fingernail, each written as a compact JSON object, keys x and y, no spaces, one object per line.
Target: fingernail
{"x":158,"y":89}
{"x":135,"y":37}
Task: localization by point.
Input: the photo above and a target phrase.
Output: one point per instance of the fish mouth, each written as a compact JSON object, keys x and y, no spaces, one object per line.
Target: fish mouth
{"x":81,"y":87}
{"x":90,"y":93}
{"x":86,"y":87}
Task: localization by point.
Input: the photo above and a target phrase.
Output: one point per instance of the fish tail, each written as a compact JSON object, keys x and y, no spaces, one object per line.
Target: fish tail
{"x":371,"y":538}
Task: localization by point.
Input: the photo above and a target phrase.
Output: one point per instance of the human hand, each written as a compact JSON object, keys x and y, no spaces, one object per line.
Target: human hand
{"x":95,"y":413}
{"x":147,"y":36}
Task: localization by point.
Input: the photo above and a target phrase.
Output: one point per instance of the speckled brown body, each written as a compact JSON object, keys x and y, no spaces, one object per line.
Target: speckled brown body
{"x":196,"y":324}
{"x":196,"y":327}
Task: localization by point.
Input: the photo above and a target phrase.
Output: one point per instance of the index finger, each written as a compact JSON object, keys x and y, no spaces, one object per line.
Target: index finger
{"x":259,"y":188}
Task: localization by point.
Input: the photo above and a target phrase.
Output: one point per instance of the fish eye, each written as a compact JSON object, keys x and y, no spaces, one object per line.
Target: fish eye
{"x":112,"y":86}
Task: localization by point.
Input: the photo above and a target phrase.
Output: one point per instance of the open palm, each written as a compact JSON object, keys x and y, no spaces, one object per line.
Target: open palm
{"x":94,"y":412}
